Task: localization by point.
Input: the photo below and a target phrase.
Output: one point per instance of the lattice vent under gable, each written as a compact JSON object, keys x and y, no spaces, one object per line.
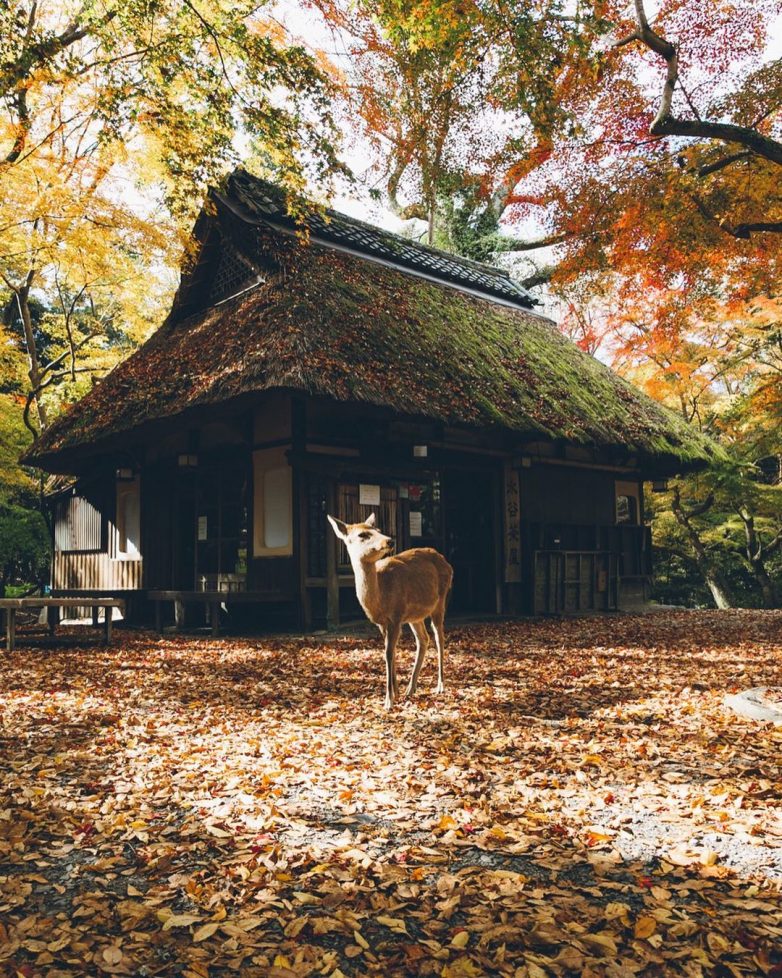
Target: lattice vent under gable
{"x":234,"y":273}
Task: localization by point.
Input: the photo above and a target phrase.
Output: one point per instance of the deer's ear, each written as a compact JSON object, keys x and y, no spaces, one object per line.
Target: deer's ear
{"x":370,"y":520}
{"x":339,"y":527}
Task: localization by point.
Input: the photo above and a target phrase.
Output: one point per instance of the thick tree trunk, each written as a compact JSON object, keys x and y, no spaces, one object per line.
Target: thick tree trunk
{"x":714,"y":578}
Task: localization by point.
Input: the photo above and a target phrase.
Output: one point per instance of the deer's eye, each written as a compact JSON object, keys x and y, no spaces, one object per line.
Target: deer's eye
{"x":363,"y":536}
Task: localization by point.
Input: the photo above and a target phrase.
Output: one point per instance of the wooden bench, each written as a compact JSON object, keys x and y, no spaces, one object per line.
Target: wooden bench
{"x":210,"y":599}
{"x":10,"y":606}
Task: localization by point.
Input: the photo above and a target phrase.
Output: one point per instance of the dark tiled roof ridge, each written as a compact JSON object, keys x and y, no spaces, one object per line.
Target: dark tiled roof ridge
{"x":267,"y":200}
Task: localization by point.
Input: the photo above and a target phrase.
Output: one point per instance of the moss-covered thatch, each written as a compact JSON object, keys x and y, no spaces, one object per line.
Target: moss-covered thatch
{"x":335,"y":324}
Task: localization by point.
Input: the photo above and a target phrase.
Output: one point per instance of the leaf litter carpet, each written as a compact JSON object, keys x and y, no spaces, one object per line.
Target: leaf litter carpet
{"x":578,"y":802}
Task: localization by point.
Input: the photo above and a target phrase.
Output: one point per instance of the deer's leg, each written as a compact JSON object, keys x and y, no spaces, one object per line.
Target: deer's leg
{"x":391,"y":635}
{"x":438,"y":618}
{"x":421,"y":645}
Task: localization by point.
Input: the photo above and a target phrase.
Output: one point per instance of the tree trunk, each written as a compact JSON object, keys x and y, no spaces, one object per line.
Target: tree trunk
{"x":755,"y":556}
{"x":34,"y":372}
{"x":712,"y":575}
{"x":768,"y":588}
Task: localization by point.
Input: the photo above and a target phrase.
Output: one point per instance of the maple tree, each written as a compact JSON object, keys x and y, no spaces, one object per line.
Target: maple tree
{"x":644,"y":146}
{"x":116,"y":118}
{"x":580,"y":801}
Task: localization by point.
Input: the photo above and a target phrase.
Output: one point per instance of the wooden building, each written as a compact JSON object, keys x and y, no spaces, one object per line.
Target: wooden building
{"x":346,"y":371}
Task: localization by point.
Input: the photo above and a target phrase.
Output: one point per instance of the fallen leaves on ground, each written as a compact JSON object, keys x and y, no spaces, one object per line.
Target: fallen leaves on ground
{"x":578,"y":802}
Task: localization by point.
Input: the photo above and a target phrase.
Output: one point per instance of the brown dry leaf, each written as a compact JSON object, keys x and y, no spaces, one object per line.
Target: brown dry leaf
{"x":645,"y":926}
{"x":247,"y":805}
{"x":205,"y":931}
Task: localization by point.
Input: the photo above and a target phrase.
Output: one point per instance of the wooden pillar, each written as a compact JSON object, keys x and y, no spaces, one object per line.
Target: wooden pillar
{"x":301,"y":549}
{"x":332,"y":580}
{"x":107,"y":622}
{"x":95,"y":615}
{"x":300,"y":524}
{"x":179,"y":614}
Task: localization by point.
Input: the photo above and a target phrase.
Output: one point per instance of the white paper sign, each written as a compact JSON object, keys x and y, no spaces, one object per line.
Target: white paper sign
{"x":202,"y":528}
{"x":416,"y":525}
{"x":368,"y":495}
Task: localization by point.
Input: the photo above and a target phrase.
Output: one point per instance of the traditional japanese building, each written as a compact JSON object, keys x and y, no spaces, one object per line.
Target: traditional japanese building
{"x":347,"y":371}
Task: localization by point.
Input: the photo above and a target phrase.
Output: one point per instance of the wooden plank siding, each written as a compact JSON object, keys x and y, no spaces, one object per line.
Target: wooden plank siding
{"x":95,"y":571}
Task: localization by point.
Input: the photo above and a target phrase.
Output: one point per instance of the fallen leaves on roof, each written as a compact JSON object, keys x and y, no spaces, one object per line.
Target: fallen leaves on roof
{"x":338,"y":326}
{"x":578,"y":802}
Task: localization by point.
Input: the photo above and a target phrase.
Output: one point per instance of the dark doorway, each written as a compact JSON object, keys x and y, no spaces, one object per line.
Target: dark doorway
{"x":469,"y":512}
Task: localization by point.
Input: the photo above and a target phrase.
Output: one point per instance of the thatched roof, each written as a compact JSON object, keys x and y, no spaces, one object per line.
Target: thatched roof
{"x":333,"y":323}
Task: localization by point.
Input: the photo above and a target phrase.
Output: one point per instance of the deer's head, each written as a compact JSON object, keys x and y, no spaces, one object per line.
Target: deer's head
{"x":364,"y":541}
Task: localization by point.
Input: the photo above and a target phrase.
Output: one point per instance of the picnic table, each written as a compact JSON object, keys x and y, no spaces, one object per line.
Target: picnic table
{"x":10,"y":607}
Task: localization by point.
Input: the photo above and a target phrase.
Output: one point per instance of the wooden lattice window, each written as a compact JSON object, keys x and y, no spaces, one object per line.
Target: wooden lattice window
{"x":350,"y":510}
{"x":234,"y":274}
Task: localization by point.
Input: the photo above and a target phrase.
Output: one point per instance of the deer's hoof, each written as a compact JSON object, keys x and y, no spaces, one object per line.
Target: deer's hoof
{"x":389,"y":703}
{"x":440,"y":688}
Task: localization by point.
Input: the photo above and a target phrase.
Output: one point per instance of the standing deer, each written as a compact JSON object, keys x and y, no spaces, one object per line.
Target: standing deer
{"x":393,"y":589}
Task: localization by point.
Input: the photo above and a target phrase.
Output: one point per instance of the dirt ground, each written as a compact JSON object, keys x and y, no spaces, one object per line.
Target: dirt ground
{"x":578,"y":802}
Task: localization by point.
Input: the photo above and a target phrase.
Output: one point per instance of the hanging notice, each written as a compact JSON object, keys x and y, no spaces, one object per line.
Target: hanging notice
{"x":512,"y":527}
{"x":416,"y":524}
{"x":202,"y":527}
{"x":368,"y":495}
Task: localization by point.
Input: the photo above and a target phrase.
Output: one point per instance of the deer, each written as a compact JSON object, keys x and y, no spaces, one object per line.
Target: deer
{"x":397,"y":589}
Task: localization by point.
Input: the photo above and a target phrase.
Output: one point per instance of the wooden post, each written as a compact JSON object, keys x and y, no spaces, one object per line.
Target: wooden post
{"x":52,"y":618}
{"x":214,"y":614}
{"x":10,"y":628}
{"x":107,"y":621}
{"x":332,"y":580}
{"x":179,"y":614}
{"x":95,"y":615}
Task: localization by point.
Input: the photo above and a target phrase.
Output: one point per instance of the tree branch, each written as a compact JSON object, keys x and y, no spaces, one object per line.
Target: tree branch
{"x":514,"y":244}
{"x":541,"y":277}
{"x":708,"y":168}
{"x":746,"y":230}
{"x":13,"y":74}
{"x":700,"y":508}
{"x":666,"y":124}
{"x":742,"y":231}
{"x":774,"y":544}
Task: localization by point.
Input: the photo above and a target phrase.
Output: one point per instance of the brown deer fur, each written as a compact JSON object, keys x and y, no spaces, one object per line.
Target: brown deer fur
{"x":395,"y":589}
